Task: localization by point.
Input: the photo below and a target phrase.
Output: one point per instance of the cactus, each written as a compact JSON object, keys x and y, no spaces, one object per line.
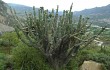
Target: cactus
{"x":57,"y":37}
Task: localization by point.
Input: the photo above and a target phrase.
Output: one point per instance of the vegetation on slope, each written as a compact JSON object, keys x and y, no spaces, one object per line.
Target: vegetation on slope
{"x":99,"y":16}
{"x":25,"y":58}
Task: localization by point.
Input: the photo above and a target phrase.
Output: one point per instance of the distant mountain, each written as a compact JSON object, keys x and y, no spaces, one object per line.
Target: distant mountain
{"x":96,"y":10}
{"x":99,"y":15}
{"x":21,"y":9}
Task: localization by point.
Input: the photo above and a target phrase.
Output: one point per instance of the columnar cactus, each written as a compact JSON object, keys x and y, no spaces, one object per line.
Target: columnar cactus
{"x":57,"y":37}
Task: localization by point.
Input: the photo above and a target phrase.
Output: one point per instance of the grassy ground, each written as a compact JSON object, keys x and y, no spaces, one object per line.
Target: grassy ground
{"x":5,"y":50}
{"x":90,"y":53}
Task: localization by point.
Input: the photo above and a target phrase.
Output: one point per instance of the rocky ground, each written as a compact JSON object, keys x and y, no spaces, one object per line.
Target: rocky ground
{"x":5,"y":28}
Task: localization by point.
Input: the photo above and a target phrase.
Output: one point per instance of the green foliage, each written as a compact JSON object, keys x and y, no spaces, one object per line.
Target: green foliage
{"x":6,"y":50}
{"x":90,"y":54}
{"x":9,"y":39}
{"x":28,"y":58}
{"x":102,"y":58}
{"x":2,"y":61}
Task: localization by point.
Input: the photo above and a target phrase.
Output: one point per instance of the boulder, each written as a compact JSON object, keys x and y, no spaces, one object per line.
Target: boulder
{"x":91,"y":65}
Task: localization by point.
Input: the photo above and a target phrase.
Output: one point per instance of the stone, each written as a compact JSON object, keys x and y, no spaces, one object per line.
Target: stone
{"x":91,"y":65}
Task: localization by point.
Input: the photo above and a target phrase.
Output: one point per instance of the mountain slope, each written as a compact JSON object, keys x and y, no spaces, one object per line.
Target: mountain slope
{"x":96,"y":10}
{"x":99,"y":16}
{"x":21,"y":9}
{"x":6,"y":19}
{"x":3,"y":11}
{"x":5,"y":14}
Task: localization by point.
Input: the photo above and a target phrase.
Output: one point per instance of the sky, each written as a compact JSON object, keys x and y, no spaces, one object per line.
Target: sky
{"x":78,"y":5}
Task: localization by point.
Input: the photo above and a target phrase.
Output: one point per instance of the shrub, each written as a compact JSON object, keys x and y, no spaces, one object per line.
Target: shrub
{"x":28,"y":58}
{"x":9,"y":39}
{"x":2,"y":61}
{"x":90,"y":54}
{"x":0,"y":42}
{"x":5,"y":43}
{"x":102,"y":58}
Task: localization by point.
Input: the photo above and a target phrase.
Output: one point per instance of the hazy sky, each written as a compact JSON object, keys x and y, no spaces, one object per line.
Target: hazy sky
{"x":63,"y":4}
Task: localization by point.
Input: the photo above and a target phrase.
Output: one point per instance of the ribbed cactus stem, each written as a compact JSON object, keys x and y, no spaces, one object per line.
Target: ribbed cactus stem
{"x":56,"y":36}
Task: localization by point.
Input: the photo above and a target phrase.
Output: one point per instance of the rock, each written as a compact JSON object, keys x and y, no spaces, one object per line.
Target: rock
{"x":5,"y":28}
{"x":91,"y":65}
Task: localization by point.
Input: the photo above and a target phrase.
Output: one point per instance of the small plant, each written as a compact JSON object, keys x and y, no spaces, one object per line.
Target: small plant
{"x":90,"y":54}
{"x":2,"y":61}
{"x":28,"y":58}
{"x":9,"y":39}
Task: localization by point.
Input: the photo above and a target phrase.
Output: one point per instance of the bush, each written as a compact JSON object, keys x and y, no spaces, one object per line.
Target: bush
{"x":5,"y":43}
{"x":9,"y":39}
{"x":2,"y":61}
{"x":90,"y":54}
{"x":98,"y":56}
{"x":28,"y":58}
{"x":0,"y":42}
{"x":102,"y":58}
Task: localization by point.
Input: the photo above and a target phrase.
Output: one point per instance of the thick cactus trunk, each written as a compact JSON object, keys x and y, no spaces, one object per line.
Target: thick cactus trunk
{"x":56,"y":66}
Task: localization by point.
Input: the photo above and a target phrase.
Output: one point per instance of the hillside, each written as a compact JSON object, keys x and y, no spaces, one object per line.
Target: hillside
{"x":3,"y":11}
{"x":6,"y":19}
{"x":98,"y":15}
{"x":5,"y":14}
{"x":21,"y":9}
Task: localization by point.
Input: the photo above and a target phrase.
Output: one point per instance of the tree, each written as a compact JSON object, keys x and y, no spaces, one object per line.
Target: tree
{"x":57,"y":37}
